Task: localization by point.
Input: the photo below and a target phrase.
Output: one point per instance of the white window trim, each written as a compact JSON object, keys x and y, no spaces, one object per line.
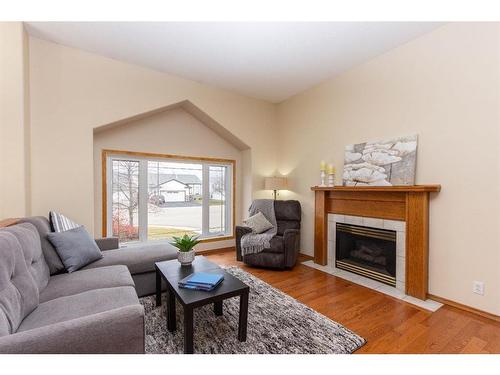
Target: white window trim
{"x":143,"y":186}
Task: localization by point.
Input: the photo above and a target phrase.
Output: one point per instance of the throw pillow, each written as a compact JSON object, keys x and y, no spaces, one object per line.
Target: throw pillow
{"x":75,"y":247}
{"x":258,"y":223}
{"x":61,"y":223}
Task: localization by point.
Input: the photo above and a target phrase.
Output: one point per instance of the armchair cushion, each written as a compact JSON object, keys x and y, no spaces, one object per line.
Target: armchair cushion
{"x":291,"y":243}
{"x":240,"y":232}
{"x":265,"y":259}
{"x":277,"y":245}
{"x":288,"y":215}
{"x":287,"y":210}
{"x":284,"y":225}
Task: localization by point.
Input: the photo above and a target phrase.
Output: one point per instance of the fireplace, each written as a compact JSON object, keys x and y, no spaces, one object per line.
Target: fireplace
{"x":381,"y":207}
{"x":366,"y":251}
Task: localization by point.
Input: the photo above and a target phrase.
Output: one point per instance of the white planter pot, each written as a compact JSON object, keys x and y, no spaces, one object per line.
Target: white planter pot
{"x":185,"y":258}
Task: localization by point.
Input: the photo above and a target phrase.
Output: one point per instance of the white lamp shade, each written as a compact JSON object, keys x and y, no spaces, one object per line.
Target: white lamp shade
{"x":276,"y":183}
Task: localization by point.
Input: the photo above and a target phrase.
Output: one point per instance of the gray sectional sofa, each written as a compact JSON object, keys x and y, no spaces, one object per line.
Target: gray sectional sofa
{"x":43,"y":309}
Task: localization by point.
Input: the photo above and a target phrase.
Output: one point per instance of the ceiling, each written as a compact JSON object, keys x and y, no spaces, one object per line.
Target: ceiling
{"x":271,"y":61}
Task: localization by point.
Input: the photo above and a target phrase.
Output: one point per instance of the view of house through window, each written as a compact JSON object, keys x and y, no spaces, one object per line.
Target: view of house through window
{"x":157,"y":198}
{"x":175,"y":199}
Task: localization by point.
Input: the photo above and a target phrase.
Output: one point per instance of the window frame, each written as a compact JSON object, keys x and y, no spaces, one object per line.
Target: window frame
{"x":106,"y":175}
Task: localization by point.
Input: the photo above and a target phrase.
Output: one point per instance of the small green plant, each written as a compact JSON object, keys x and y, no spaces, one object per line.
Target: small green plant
{"x":185,"y":243}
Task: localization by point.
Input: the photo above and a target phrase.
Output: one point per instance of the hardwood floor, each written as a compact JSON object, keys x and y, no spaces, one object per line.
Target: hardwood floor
{"x":389,"y":325}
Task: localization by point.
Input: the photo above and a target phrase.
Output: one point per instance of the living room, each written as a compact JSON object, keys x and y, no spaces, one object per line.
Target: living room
{"x":331,"y":183}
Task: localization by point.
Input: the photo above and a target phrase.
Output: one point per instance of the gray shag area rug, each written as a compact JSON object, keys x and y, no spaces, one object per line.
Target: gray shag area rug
{"x":277,"y":324}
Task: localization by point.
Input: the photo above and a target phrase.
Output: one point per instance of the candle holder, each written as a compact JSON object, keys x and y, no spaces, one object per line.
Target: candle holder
{"x":323,"y":177}
{"x":331,"y":179}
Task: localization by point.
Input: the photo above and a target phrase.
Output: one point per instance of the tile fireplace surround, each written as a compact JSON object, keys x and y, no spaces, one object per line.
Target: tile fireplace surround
{"x":403,"y":209}
{"x":400,"y":228}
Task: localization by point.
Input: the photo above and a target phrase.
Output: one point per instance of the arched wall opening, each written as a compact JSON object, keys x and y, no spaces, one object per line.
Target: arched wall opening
{"x":181,"y":129}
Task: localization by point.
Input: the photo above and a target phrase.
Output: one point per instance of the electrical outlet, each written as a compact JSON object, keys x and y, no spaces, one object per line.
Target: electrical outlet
{"x":478,"y":287}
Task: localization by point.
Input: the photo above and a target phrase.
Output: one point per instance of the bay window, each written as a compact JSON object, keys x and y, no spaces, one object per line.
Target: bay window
{"x":151,"y":197}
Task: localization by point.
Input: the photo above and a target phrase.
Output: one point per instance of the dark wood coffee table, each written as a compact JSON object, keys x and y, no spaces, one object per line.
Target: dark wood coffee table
{"x":171,"y":271}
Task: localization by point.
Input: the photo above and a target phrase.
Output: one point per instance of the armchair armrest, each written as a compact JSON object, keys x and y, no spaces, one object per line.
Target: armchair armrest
{"x":291,"y":244}
{"x":116,"y":331}
{"x":240,"y":232}
{"x":107,"y":243}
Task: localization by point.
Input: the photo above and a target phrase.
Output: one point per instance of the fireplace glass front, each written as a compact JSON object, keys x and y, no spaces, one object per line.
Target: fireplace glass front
{"x":366,"y":251}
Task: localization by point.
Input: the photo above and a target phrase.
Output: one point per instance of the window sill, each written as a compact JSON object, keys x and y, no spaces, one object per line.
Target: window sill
{"x":203,"y":240}
{"x":217,"y":238}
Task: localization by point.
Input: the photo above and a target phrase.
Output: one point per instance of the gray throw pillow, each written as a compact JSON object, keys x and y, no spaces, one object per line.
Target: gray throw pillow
{"x":75,"y":247}
{"x":258,"y":223}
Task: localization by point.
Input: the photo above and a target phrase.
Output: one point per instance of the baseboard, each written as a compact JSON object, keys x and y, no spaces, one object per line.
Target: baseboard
{"x":460,"y":306}
{"x":307,"y":257}
{"x":217,"y":251}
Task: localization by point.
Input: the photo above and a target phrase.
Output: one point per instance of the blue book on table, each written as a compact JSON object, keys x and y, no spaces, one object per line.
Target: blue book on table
{"x":201,"y":281}
{"x":198,"y":287}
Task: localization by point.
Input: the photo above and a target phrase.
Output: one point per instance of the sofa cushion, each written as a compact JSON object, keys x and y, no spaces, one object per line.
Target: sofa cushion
{"x":75,"y":247}
{"x":28,"y":237}
{"x":67,"y":308}
{"x":107,"y":243}
{"x":43,"y":227}
{"x":67,"y":284}
{"x":138,"y":258}
{"x":18,"y":290}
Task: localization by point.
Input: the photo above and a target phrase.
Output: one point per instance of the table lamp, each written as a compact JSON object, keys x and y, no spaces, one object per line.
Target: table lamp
{"x":275,"y":184}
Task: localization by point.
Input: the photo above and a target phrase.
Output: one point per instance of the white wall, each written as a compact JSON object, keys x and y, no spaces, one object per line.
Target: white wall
{"x":173,"y":131}
{"x":444,"y":86}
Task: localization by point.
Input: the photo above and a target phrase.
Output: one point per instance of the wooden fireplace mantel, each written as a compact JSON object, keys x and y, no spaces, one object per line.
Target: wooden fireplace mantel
{"x":410,"y":188}
{"x":405,"y":203}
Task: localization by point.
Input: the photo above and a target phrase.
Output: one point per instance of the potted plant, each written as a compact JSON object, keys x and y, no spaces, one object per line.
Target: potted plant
{"x":185,"y":252}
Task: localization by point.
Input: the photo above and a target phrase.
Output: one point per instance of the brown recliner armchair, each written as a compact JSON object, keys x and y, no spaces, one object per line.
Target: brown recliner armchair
{"x":284,"y":248}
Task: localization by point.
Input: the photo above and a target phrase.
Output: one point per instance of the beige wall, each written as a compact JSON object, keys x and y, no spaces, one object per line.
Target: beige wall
{"x":14,"y":120}
{"x":444,"y":86}
{"x":173,"y":131}
{"x":73,"y":92}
